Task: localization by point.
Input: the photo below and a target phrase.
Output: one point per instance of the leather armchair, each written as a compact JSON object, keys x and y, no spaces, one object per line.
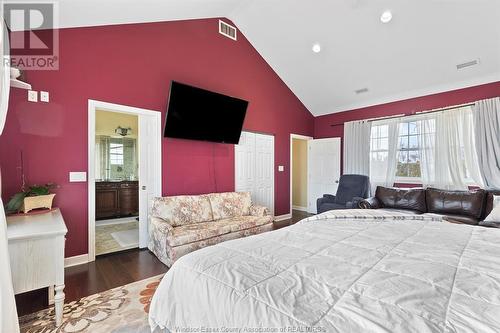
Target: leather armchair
{"x":351,"y":191}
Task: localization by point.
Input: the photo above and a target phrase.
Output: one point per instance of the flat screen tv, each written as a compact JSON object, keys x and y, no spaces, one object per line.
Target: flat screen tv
{"x":198,"y":114}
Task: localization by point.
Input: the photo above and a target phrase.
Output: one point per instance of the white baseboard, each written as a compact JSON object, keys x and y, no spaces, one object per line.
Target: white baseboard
{"x":302,"y":209}
{"x":283,"y":217}
{"x":76,"y":260}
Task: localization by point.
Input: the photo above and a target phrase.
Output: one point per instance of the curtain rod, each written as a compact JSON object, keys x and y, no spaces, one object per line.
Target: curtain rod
{"x":402,"y":115}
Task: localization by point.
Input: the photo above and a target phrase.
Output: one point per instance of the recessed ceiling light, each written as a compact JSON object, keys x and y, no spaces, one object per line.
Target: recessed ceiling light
{"x":386,"y":16}
{"x":316,"y":48}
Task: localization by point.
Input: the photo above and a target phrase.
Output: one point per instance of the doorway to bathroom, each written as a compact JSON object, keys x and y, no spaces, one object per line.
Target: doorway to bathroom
{"x":124,"y":175}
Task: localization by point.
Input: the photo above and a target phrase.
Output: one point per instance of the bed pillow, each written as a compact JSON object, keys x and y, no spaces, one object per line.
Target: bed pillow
{"x":494,"y":216}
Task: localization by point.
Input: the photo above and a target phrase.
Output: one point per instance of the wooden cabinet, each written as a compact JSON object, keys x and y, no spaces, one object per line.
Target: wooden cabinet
{"x":116,"y":199}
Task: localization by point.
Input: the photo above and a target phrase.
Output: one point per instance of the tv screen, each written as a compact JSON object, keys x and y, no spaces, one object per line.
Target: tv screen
{"x":198,"y":114}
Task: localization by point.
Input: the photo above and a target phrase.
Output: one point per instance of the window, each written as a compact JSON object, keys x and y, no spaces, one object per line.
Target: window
{"x":433,"y":149}
{"x":379,"y":146}
{"x":408,"y":151}
{"x":116,"y":153}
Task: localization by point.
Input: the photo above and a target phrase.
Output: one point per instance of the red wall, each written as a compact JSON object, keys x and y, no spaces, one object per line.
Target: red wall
{"x":133,"y":65}
{"x":323,"y":128}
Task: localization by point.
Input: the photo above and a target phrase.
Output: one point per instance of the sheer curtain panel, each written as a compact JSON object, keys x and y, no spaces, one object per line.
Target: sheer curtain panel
{"x":8,"y":312}
{"x":487,"y":135}
{"x":357,"y":147}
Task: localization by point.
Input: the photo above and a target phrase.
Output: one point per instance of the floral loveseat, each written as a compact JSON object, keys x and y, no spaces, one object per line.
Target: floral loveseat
{"x":182,"y":224}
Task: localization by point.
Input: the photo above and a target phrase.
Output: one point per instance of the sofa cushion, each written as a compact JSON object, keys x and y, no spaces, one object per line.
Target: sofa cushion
{"x":456,"y":202}
{"x":200,"y":231}
{"x":230,"y":204}
{"x":183,"y":209}
{"x":411,"y":199}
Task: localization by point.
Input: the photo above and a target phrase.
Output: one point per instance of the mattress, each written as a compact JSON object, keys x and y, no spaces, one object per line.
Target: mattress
{"x":339,"y":273}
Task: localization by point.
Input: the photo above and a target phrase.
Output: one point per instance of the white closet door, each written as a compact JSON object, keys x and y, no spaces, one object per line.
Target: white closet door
{"x":149,"y":170}
{"x":323,"y":169}
{"x":244,"y":155}
{"x":254,"y":167}
{"x":264,"y":175}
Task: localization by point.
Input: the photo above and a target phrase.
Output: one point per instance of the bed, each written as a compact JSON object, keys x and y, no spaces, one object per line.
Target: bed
{"x":349,"y":271}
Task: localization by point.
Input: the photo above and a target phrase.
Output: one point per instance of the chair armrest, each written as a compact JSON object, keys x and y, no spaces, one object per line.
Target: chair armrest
{"x":256,"y":210}
{"x":370,"y":203}
{"x":328,"y":198}
{"x":160,"y":225}
{"x":354,"y":203}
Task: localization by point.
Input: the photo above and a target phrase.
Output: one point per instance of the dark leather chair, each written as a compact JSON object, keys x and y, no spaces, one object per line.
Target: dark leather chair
{"x":352,"y":189}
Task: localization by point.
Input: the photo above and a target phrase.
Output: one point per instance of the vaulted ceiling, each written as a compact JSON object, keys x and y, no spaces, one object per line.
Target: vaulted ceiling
{"x":413,"y":55}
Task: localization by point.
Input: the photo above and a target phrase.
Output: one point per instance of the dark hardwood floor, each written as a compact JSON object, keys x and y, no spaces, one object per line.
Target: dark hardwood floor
{"x":110,"y":271}
{"x":106,"y":272}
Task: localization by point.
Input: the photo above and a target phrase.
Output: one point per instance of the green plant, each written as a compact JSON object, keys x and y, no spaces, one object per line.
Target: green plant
{"x":15,"y":203}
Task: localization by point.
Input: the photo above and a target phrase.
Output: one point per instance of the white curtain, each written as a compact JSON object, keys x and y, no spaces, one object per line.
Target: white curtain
{"x":487,"y":135}
{"x":383,"y":163}
{"x":447,"y":149}
{"x":8,"y":312}
{"x":357,"y":147}
{"x":4,"y":71}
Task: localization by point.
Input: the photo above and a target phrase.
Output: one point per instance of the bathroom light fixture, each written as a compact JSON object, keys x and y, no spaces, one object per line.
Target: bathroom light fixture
{"x":123,"y":131}
{"x":386,"y":16}
{"x":316,"y":48}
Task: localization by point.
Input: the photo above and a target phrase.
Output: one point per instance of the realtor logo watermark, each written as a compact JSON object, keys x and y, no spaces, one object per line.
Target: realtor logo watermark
{"x":34,"y":41}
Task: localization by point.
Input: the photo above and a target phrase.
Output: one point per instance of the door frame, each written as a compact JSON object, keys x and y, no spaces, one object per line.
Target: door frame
{"x":93,"y":105}
{"x":300,"y":137}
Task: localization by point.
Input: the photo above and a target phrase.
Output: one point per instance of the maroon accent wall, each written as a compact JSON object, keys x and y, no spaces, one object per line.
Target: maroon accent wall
{"x":133,"y":65}
{"x":323,"y":128}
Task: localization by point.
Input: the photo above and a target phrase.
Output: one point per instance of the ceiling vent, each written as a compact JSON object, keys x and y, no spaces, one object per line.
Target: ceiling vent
{"x":361,"y":91}
{"x":227,"y":30}
{"x":468,"y":64}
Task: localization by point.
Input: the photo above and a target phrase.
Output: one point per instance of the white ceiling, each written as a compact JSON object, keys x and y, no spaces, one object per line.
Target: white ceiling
{"x":415,"y":54}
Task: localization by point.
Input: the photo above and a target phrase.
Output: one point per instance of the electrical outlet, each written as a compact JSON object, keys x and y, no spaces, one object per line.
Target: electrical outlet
{"x":281,"y":168}
{"x":32,"y":96}
{"x":44,"y":96}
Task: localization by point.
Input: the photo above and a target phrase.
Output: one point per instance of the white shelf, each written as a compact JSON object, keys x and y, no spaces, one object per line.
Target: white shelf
{"x":19,"y":84}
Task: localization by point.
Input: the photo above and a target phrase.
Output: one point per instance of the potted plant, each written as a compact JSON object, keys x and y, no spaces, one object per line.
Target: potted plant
{"x":37,"y":196}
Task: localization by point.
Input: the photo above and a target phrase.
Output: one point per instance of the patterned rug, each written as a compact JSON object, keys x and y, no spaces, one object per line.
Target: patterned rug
{"x":123,"y":309}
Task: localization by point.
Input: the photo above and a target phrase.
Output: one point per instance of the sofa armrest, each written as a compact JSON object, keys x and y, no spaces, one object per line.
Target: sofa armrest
{"x":370,"y":203}
{"x":160,"y":225}
{"x":256,"y":210}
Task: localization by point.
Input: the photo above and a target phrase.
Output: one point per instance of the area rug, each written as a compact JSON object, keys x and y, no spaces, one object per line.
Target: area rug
{"x":119,"y":310}
{"x":127,"y":238}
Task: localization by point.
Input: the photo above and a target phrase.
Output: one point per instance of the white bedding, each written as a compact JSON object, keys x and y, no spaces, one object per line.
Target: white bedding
{"x":331,"y":274}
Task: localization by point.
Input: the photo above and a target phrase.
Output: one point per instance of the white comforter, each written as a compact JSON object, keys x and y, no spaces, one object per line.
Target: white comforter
{"x":330,"y":274}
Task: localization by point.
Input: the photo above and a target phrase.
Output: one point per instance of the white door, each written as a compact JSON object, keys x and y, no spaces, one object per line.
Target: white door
{"x":323,"y":161}
{"x":244,"y":156}
{"x":149,"y":170}
{"x":254,"y":168}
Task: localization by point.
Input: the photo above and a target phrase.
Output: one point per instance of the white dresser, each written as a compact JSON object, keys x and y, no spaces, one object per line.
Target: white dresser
{"x":36,"y":250}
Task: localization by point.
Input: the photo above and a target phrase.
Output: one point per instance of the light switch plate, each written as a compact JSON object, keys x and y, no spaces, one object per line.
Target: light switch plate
{"x":281,"y":168}
{"x":32,"y":96}
{"x":77,"y":176}
{"x":44,"y":96}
